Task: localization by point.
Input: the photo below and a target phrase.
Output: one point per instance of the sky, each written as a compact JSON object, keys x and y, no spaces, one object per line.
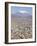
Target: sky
{"x":17,"y":9}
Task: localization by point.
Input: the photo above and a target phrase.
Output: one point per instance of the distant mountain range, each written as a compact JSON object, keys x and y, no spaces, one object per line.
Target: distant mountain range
{"x":21,"y":15}
{"x":21,"y":18}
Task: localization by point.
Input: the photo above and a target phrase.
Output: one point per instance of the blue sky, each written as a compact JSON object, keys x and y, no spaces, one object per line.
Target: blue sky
{"x":16,"y":9}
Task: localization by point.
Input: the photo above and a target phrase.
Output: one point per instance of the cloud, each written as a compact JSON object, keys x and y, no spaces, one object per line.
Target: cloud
{"x":23,"y":11}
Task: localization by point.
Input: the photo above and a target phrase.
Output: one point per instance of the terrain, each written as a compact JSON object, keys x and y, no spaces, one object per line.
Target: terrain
{"x":21,"y":26}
